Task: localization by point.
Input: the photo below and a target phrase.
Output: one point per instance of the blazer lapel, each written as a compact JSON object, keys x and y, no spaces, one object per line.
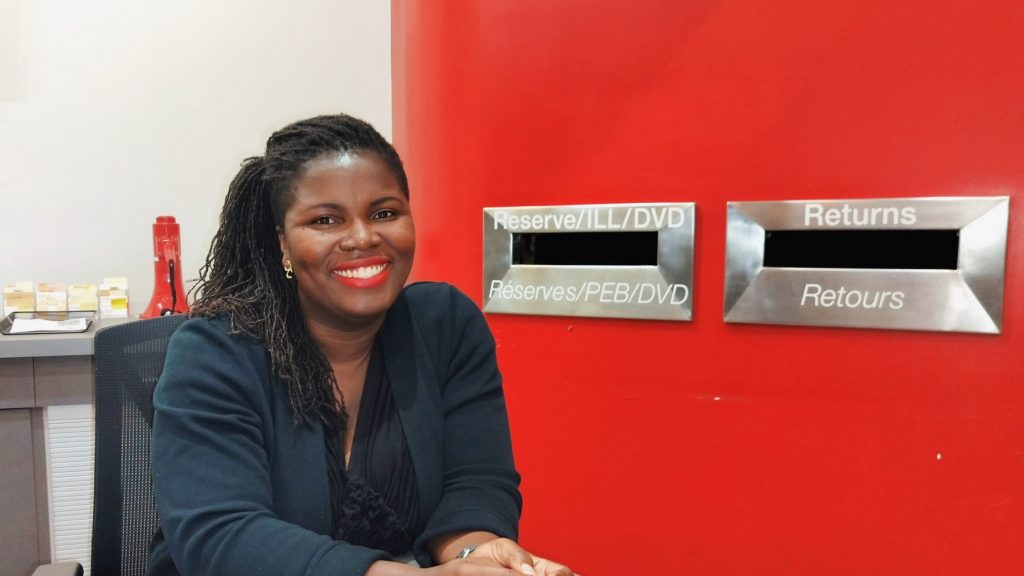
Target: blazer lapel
{"x":413,"y":380}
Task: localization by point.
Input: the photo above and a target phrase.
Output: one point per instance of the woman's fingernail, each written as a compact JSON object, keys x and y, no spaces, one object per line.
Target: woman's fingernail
{"x":527,"y":569}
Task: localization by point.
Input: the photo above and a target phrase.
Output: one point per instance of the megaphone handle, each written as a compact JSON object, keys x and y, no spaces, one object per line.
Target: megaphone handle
{"x":174,"y":291}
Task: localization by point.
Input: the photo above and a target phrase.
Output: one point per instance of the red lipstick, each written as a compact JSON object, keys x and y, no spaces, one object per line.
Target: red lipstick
{"x":363,"y":272}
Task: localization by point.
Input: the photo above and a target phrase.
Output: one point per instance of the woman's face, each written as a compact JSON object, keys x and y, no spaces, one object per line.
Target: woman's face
{"x":350,"y":238}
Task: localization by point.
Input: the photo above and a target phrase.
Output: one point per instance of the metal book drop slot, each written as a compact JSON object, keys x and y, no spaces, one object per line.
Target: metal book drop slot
{"x":598,"y":260}
{"x":896,"y":263}
{"x":862,"y":249}
{"x":586,"y":248}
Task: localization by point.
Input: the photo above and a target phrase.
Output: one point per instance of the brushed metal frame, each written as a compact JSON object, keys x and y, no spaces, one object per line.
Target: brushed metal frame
{"x":968,"y":299}
{"x":661,"y":292}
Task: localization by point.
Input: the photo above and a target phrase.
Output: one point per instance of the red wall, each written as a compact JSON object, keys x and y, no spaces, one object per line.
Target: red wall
{"x":705,"y":447}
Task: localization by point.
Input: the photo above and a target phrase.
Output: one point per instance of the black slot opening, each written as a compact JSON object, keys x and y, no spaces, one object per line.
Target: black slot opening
{"x":586,"y":248}
{"x":871,"y":249}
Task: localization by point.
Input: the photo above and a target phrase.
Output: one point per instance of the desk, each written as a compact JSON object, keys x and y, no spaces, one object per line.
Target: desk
{"x":36,"y":372}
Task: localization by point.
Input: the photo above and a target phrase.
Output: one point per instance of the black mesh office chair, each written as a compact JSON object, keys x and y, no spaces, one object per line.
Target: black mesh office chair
{"x":129,"y":359}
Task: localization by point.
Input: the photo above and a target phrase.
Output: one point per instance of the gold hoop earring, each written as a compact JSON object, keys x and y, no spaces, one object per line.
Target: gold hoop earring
{"x":288,"y":270}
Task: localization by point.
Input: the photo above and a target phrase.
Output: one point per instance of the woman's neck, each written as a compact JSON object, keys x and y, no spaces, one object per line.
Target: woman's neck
{"x":344,"y":346}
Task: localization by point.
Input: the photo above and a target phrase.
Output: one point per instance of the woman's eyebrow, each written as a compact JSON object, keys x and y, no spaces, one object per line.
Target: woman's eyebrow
{"x":385,"y":199}
{"x":323,"y":206}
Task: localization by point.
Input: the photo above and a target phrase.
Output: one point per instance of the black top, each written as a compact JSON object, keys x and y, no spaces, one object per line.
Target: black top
{"x":242,"y":489}
{"x":374,"y":501}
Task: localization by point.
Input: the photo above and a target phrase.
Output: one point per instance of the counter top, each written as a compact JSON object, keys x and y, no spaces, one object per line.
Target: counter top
{"x":41,"y":345}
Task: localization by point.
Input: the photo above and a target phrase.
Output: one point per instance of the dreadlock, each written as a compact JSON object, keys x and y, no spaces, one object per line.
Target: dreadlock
{"x":242,"y":276}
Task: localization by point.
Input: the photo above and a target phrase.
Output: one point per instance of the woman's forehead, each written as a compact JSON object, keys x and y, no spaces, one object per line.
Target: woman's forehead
{"x":344,"y":175}
{"x":341,"y":159}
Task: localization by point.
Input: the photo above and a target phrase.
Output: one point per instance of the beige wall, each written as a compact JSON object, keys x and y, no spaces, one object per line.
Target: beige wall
{"x":115,"y":111}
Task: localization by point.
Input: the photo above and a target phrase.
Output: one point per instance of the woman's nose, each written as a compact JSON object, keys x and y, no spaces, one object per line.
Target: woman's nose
{"x":359,"y":236}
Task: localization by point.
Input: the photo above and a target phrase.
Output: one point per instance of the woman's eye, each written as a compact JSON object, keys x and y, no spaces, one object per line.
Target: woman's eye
{"x":384,"y":214}
{"x":324,"y":220}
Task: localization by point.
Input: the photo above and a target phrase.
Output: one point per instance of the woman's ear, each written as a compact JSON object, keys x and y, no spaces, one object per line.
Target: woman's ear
{"x":282,"y":242}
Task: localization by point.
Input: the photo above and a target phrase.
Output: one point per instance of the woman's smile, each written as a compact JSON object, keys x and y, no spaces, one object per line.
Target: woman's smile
{"x":363,"y":272}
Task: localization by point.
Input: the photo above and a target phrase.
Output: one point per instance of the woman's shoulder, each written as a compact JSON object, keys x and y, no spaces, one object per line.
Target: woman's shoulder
{"x":438,"y":299}
{"x":214,"y":335}
{"x":217,"y":326}
{"x":211,"y":357}
{"x":428,"y":289}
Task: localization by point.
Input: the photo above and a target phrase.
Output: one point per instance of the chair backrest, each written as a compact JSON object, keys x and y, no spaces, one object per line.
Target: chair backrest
{"x":129,"y":359}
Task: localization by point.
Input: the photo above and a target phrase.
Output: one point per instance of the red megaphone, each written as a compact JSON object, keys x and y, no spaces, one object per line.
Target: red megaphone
{"x":168,"y":289}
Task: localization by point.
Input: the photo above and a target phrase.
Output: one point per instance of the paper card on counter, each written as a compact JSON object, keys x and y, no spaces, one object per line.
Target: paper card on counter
{"x":19,"y":297}
{"x":82,"y":297}
{"x":51,"y":297}
{"x":113,"y":297}
{"x":35,"y":325}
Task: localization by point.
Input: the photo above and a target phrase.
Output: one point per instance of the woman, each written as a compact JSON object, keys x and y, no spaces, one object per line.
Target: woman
{"x":316,"y":416}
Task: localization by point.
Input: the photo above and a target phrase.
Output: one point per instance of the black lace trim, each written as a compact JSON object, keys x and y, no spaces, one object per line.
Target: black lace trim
{"x":361,"y":514}
{"x":368,"y":521}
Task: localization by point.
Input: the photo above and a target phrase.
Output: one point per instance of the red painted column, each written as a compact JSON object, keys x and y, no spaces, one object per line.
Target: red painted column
{"x":711,"y":448}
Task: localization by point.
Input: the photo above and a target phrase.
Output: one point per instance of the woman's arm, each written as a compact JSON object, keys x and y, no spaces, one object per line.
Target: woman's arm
{"x":480,"y":486}
{"x":480,"y":502}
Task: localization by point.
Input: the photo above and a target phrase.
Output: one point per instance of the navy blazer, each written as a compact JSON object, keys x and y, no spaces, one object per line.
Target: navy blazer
{"x":242,"y":490}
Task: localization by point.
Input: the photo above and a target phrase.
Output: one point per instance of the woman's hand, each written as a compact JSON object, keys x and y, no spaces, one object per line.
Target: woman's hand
{"x":545,"y":567}
{"x":494,"y":556}
{"x":507,"y":554}
{"x":470,"y":567}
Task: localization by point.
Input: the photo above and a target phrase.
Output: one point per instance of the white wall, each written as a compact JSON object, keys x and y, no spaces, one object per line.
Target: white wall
{"x":115,"y":111}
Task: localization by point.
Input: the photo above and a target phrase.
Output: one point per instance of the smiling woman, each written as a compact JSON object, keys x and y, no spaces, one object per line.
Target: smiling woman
{"x":316,"y":415}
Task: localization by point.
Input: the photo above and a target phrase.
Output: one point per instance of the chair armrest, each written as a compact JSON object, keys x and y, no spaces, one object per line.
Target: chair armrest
{"x":59,"y":569}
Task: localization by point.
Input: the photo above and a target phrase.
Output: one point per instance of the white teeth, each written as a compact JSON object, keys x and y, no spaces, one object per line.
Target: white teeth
{"x":364,"y":272}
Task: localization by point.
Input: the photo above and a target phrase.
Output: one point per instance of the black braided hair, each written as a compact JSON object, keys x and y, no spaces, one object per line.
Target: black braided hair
{"x":243,"y":278}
